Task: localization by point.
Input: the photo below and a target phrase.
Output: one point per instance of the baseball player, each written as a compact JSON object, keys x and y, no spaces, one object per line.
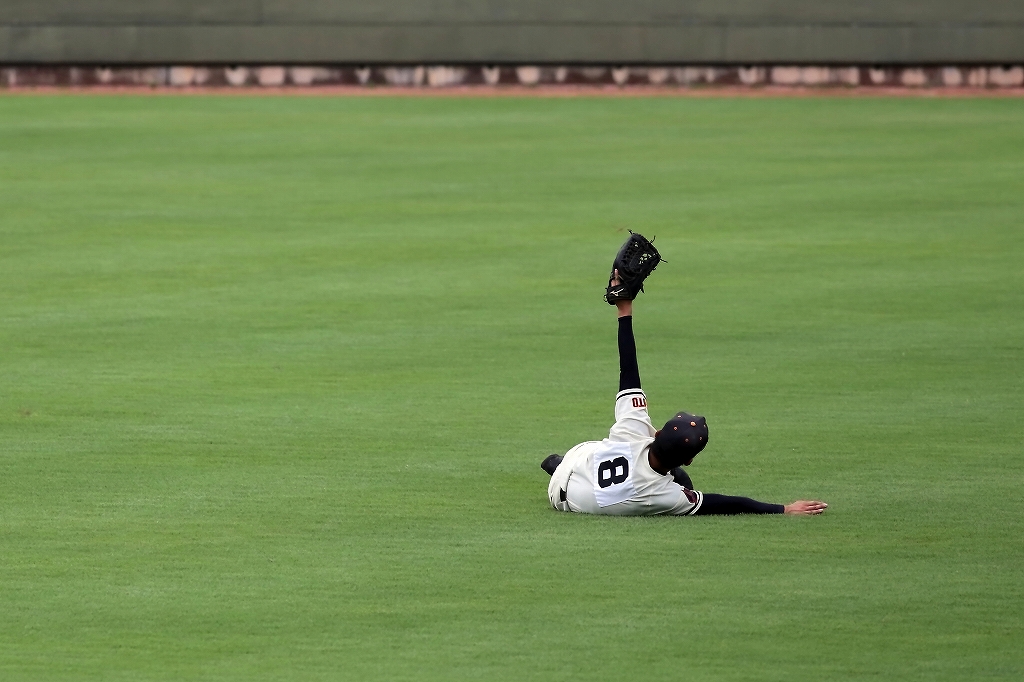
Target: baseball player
{"x":638,"y":470}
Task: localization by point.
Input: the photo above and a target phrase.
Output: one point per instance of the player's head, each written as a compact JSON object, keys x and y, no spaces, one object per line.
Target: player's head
{"x":681,"y":439}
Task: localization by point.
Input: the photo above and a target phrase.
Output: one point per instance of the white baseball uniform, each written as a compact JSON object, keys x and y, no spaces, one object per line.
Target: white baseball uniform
{"x":613,"y":476}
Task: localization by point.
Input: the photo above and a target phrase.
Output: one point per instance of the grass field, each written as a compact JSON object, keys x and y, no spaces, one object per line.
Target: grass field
{"x":276,"y":376}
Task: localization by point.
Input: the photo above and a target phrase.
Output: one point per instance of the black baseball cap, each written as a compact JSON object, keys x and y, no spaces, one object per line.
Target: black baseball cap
{"x":682,"y":437}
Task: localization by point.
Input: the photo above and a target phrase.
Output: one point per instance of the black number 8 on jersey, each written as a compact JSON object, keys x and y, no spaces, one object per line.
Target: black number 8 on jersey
{"x":613,"y":471}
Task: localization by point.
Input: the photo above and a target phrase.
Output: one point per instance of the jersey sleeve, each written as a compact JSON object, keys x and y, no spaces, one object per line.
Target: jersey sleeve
{"x":690,"y":503}
{"x":632,"y":422}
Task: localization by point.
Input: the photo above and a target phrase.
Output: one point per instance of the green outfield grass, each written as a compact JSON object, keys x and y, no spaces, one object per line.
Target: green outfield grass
{"x":276,"y":376}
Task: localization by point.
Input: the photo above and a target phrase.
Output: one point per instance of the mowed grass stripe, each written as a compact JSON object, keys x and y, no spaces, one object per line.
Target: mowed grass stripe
{"x":277,"y":375}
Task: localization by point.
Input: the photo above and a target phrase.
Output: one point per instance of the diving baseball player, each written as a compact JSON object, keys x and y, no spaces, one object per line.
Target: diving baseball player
{"x":638,"y":470}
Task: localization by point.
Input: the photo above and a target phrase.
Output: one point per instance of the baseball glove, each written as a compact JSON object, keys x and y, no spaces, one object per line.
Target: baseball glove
{"x":635,"y":261}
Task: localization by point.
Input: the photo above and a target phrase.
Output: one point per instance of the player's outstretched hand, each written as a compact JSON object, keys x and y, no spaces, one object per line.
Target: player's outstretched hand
{"x":806,"y":507}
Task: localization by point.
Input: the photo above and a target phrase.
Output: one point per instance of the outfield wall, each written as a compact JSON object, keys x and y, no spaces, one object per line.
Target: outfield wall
{"x":1009,"y":79}
{"x":723,"y":32}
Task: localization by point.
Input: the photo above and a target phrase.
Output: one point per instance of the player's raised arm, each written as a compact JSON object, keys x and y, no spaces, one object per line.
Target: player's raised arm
{"x":632,"y":422}
{"x":629,"y":370}
{"x":636,"y":260}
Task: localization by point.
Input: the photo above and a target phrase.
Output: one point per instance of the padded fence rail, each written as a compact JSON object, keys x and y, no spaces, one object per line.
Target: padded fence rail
{"x":726,"y":32}
{"x":440,"y":76}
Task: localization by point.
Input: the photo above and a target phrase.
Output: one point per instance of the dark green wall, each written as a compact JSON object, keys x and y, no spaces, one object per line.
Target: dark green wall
{"x":523,"y":31}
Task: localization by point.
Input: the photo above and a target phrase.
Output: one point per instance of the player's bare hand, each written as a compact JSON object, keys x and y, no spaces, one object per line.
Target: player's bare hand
{"x":806,"y":507}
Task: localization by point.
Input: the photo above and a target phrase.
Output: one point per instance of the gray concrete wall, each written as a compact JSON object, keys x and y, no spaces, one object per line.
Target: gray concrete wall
{"x":511,"y":31}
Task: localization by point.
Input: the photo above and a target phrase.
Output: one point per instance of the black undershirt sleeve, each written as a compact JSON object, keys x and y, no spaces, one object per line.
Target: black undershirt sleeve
{"x":629,"y":371}
{"x":729,"y":505}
